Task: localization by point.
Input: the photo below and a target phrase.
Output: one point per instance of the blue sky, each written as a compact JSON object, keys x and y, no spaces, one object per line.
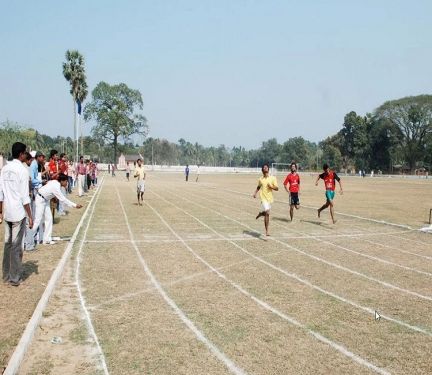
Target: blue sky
{"x":218,"y":72}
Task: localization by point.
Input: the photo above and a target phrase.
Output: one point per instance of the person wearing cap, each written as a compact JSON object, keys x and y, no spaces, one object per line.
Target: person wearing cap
{"x":44,"y":195}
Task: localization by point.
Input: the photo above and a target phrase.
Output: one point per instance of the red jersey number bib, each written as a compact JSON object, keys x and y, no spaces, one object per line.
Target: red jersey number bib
{"x":293,"y":181}
{"x":329,"y":181}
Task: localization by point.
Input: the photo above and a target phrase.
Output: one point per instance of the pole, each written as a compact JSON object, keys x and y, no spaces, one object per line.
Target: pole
{"x":81,"y":131}
{"x":75,"y":129}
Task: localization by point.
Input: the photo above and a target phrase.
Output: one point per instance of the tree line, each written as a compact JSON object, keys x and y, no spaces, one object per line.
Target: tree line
{"x":397,"y":136}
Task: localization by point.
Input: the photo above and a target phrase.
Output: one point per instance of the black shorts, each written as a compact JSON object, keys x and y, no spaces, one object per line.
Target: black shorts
{"x":294,"y":199}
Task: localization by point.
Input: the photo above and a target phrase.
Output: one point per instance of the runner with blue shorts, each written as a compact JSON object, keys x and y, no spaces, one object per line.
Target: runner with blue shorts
{"x":330,"y":179}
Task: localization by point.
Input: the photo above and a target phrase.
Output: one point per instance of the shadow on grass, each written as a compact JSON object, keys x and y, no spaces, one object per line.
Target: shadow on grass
{"x":312,"y":222}
{"x":284,"y":219}
{"x":30,"y":267}
{"x":253,"y":234}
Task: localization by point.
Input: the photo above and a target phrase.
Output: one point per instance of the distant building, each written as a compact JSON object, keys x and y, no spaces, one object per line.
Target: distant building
{"x":123,"y":159}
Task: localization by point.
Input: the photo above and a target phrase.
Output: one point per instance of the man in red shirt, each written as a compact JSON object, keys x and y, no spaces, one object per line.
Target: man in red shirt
{"x":53,"y":165}
{"x":330,"y":179}
{"x":293,"y":182}
{"x":62,"y":163}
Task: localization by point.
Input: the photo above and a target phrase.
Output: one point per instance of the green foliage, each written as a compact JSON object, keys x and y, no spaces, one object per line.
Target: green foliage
{"x":115,"y":110}
{"x":331,"y":153}
{"x":74,"y":73}
{"x":300,"y":151}
{"x":412,"y":117}
{"x":11,"y":132}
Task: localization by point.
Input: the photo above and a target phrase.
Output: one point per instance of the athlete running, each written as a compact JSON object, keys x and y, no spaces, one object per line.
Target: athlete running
{"x":293,"y":188}
{"x":330,"y":179}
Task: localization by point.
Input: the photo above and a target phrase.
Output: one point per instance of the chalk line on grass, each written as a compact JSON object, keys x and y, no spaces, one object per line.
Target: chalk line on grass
{"x":26,"y":338}
{"x":171,"y":283}
{"x":370,"y":278}
{"x":200,"y":335}
{"x":89,"y":323}
{"x":354,"y":272}
{"x":301,"y":280}
{"x":359,"y":360}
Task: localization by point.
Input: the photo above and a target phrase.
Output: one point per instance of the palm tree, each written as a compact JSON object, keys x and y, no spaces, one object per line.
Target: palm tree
{"x":74,"y":72}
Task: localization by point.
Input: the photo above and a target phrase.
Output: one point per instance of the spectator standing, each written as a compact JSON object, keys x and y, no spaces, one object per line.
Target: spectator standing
{"x":14,"y":197}
{"x":81,"y":175}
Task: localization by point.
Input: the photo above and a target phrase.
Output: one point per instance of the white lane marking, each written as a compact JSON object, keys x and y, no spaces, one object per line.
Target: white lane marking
{"x":357,"y":273}
{"x":26,"y":338}
{"x":171,"y":283}
{"x":298,"y":278}
{"x":90,"y":326}
{"x":200,"y":335}
{"x":359,"y":360}
{"x":339,"y":213}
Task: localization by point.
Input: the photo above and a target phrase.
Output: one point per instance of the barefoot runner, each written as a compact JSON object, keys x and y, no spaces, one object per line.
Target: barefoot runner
{"x":141,"y":175}
{"x":293,"y":180}
{"x":330,"y":179}
{"x":266,"y":185}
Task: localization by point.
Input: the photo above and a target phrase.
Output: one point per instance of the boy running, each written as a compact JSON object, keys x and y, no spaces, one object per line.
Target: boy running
{"x":293,"y":180}
{"x":266,"y":185}
{"x":141,"y":175}
{"x":329,"y":178}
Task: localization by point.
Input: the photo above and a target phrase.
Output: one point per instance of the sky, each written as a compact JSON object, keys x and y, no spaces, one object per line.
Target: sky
{"x":232,"y":72}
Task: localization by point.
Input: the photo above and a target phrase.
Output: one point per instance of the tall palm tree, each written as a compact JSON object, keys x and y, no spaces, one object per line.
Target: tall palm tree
{"x":74,"y":72}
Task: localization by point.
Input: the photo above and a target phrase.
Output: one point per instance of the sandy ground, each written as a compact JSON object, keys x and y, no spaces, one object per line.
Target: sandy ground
{"x":38,"y":267}
{"x":300,"y":301}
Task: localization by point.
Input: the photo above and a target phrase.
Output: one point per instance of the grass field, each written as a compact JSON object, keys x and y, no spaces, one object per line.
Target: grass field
{"x":187,"y":283}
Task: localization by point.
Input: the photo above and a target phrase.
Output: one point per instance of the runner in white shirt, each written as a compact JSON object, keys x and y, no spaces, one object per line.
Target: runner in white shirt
{"x":15,"y":199}
{"x":141,"y":175}
{"x":42,"y":203}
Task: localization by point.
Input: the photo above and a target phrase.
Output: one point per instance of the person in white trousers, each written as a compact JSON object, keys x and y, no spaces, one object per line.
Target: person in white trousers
{"x":43,"y":209}
{"x":81,"y":172}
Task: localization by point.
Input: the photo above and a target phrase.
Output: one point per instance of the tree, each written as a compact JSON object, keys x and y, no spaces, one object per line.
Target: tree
{"x":74,"y":72}
{"x":299,"y":150}
{"x":269,"y":152}
{"x":115,"y":110}
{"x":354,"y":140}
{"x":331,"y":152}
{"x":412,"y":116}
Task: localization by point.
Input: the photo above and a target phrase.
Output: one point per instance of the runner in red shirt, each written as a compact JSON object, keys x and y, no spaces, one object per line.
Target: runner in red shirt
{"x":293,"y":180}
{"x":330,"y":179}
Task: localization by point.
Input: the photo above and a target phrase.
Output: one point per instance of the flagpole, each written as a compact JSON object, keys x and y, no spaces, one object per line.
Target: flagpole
{"x":81,"y":131}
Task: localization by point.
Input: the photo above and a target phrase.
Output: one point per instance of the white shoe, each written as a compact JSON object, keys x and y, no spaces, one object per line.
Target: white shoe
{"x":50,"y":243}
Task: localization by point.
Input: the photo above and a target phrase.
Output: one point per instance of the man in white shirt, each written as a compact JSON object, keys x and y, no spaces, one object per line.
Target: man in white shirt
{"x":42,"y":203}
{"x":141,"y":175}
{"x":14,"y":197}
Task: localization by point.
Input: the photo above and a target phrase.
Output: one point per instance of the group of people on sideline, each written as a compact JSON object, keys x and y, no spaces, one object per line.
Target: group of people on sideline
{"x":32,"y":189}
